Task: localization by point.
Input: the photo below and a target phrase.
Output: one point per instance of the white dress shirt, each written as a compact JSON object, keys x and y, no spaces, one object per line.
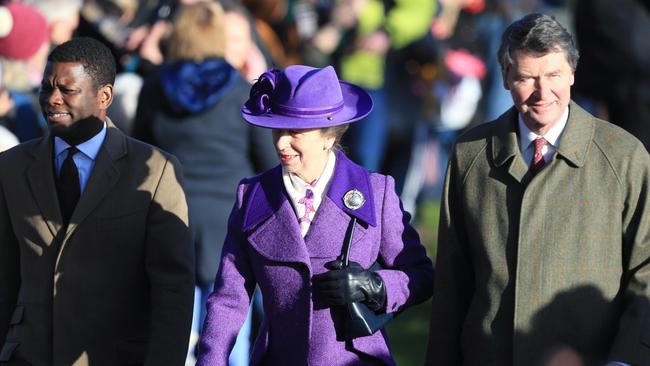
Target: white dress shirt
{"x":528,"y":137}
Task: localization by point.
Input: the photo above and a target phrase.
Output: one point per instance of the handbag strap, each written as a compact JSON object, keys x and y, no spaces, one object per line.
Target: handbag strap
{"x":345,"y":253}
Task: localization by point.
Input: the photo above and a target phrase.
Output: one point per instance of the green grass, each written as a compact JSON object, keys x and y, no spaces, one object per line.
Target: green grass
{"x":408,"y":335}
{"x":426,"y":223}
{"x":409,"y":331}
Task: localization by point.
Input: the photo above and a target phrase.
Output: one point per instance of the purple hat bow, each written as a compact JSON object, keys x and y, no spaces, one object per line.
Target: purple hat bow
{"x":304,"y":97}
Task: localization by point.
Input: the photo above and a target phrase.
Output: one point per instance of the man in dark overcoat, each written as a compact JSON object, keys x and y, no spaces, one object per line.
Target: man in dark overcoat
{"x":96,"y":259}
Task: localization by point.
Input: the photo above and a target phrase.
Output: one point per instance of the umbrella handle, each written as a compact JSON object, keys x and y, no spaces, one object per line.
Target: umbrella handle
{"x":348,"y":242}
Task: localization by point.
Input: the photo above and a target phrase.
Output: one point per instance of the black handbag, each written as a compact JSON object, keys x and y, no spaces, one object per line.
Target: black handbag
{"x":357,"y":319}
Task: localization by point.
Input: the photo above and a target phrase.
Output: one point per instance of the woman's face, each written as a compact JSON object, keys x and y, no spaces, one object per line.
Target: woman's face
{"x":303,"y":152}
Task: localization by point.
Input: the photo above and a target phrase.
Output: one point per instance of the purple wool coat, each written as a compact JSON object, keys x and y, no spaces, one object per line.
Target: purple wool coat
{"x":264,"y":247}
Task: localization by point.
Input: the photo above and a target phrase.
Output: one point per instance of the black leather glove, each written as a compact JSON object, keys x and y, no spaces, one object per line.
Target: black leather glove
{"x":340,"y":286}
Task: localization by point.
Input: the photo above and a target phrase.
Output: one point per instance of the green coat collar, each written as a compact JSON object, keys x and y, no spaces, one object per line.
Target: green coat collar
{"x":574,"y":145}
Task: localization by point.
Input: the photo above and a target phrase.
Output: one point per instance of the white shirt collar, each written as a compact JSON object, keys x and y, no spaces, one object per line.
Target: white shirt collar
{"x":296,"y":189}
{"x":526,"y":136}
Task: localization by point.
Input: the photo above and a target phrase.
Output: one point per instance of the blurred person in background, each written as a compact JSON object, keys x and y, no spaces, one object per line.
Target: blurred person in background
{"x":544,"y":224}
{"x":242,"y":51}
{"x":146,"y":47}
{"x":112,"y":22}
{"x":267,"y":18}
{"x":150,"y":25}
{"x":191,"y":108}
{"x":24,"y":44}
{"x":357,"y":37}
{"x":7,"y":139}
{"x":452,"y":102}
{"x":134,"y":31}
{"x":288,"y":226}
{"x":147,"y":41}
{"x":62,"y":17}
{"x":614,"y":74}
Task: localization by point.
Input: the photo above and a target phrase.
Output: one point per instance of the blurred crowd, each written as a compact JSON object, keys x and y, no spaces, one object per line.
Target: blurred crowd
{"x":429,"y":65}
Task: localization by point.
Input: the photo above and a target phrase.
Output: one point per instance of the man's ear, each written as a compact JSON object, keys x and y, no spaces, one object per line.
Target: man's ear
{"x":504,"y":77}
{"x":105,"y":96}
{"x":506,"y":84}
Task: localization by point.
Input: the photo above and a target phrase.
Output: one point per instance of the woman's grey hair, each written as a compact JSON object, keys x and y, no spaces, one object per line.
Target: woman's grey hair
{"x":336,"y":132}
{"x":538,"y":34}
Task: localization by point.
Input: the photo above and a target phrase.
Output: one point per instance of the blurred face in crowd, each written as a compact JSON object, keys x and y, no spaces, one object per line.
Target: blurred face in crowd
{"x":238,"y":39}
{"x":61,"y":30}
{"x":36,"y":64}
{"x":69,"y":96}
{"x":540,"y":87}
{"x":303,"y":152}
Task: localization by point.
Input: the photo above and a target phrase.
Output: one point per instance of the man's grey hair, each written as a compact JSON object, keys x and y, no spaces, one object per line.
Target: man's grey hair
{"x":538,"y":34}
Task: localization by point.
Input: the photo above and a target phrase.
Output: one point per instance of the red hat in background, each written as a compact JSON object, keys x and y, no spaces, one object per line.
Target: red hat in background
{"x":463,"y":63}
{"x":23,"y":30}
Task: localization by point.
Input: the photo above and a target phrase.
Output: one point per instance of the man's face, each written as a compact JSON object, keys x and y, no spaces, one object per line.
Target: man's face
{"x":540,"y":87}
{"x":68,"y":95}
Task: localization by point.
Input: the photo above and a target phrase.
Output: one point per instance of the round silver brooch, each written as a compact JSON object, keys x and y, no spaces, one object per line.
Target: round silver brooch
{"x":353,"y":199}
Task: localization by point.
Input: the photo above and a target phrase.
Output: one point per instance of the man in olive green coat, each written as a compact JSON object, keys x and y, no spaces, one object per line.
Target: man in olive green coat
{"x":544,"y":244}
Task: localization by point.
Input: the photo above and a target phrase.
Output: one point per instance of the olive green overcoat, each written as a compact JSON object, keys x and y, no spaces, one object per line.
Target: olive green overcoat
{"x":527,"y":264}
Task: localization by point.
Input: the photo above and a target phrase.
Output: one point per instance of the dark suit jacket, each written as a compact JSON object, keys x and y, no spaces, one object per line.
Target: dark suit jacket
{"x":116,"y":287}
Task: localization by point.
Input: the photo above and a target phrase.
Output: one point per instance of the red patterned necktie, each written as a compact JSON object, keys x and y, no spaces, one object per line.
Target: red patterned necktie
{"x":538,"y":159}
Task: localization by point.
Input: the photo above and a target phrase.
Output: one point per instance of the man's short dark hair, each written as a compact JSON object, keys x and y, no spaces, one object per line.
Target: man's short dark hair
{"x":96,"y":58}
{"x":538,"y":34}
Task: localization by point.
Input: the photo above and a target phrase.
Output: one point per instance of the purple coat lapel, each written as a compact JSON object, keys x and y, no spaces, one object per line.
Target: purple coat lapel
{"x":347,"y":176}
{"x":271,"y":221}
{"x":327,"y":233}
{"x":266,"y":198}
{"x":270,"y":195}
{"x":278,"y":238}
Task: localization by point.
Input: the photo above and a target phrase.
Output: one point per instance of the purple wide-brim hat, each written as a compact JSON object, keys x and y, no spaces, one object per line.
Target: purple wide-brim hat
{"x":304,"y":97}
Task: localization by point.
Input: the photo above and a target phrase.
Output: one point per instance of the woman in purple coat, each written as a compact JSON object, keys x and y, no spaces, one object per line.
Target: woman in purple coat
{"x":288,"y":227}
